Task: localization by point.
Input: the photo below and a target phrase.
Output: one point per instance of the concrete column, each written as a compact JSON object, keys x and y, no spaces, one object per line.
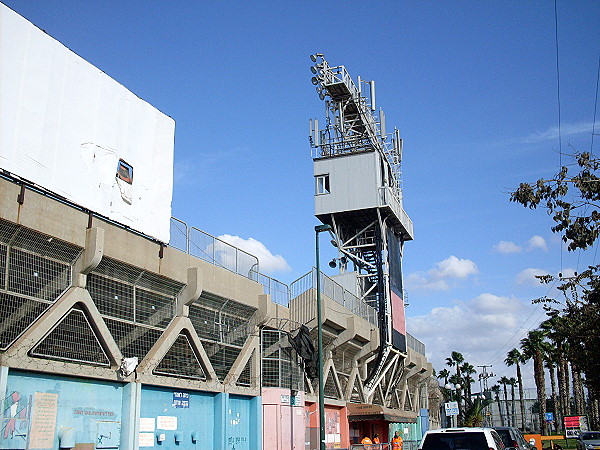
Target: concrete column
{"x":130,"y":420}
{"x":3,"y":383}
{"x":256,"y":423}
{"x":220,"y":417}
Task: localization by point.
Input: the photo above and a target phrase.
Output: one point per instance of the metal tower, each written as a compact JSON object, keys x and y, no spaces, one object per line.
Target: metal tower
{"x":358,"y":193}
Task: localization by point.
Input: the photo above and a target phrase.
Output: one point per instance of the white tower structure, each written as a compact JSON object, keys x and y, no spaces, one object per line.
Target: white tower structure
{"x":358,"y":192}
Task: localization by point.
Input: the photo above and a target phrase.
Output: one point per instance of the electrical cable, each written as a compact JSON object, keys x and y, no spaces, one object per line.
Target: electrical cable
{"x":559,"y":117}
{"x":595,"y":109}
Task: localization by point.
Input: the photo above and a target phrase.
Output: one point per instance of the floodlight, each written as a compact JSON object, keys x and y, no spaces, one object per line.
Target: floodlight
{"x":332,"y":263}
{"x":313,"y":58}
{"x":313,"y":69}
{"x":321,"y":96}
{"x":314,"y":80}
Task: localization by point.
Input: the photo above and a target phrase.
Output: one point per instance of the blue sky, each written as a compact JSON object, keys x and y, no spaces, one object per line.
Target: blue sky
{"x":471,"y":85}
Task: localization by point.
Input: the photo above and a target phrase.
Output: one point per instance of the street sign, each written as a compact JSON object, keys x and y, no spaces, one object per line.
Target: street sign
{"x":451,"y":408}
{"x":549,"y":417}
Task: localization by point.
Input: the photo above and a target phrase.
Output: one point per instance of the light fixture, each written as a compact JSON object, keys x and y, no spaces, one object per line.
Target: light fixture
{"x":314,"y":80}
{"x":332,"y":263}
{"x":313,"y":69}
{"x":313,"y":58}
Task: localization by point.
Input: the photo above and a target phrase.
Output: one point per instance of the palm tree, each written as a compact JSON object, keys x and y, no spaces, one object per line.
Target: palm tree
{"x":504,"y":382}
{"x":455,"y":360}
{"x":444,"y":373}
{"x":555,"y":329}
{"x":496,"y":390}
{"x":533,"y":347}
{"x":512,"y":382}
{"x":467,"y":370}
{"x":514,"y":357}
{"x":550,"y":362}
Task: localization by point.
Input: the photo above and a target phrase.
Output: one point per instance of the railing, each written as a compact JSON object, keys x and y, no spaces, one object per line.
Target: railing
{"x":279,"y":292}
{"x":387,"y":198}
{"x":414,"y":344}
{"x":335,"y":292}
{"x":204,"y":246}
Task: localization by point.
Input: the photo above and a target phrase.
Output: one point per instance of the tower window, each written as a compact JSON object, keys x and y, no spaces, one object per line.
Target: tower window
{"x":322,"y":184}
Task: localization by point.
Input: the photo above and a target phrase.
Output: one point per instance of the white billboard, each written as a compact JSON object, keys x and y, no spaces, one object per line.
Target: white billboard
{"x":70,"y":128}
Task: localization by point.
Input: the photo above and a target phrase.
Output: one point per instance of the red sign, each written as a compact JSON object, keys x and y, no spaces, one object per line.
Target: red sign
{"x":572,"y":421}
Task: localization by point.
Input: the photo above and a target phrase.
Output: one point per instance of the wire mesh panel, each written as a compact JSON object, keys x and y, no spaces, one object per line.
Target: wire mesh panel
{"x":129,"y":293}
{"x":222,"y":357}
{"x":245,"y":378}
{"x":112,"y":297}
{"x":355,"y":395}
{"x":223,"y":326}
{"x":377,"y":400}
{"x":133,"y":340}
{"x":3,"y":254}
{"x":329,"y":389}
{"x":181,"y":361}
{"x":17,"y":314}
{"x":279,"y":363}
{"x":35,"y":270}
{"x":73,"y":340}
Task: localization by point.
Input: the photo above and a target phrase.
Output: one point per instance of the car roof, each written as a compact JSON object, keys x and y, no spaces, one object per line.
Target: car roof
{"x":458,"y":430}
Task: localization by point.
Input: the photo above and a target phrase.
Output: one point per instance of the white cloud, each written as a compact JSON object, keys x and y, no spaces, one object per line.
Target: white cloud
{"x":436,"y":278}
{"x":566,"y":130}
{"x":268,"y":262}
{"x":506,"y":247}
{"x":453,"y":267}
{"x":527,"y":277}
{"x":420,"y":281}
{"x":477,"y":328}
{"x":537,"y":242}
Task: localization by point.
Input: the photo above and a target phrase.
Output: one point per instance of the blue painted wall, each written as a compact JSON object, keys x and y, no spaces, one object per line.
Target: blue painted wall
{"x":193,"y":414}
{"x":199,"y":420}
{"x":82,"y":411}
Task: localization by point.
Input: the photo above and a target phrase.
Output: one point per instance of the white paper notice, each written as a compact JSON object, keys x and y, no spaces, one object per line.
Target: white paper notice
{"x":146,"y":439}
{"x":147,"y":424}
{"x":166,"y":422}
{"x":43,"y":420}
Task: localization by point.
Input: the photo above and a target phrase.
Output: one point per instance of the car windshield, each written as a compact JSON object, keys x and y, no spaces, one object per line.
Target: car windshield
{"x":455,"y":441}
{"x":505,"y":436}
{"x":590,"y":436}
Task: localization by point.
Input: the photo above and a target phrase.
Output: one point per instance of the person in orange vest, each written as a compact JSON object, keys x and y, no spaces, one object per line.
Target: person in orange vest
{"x":396,"y":442}
{"x":376,"y":440}
{"x":366,"y":442}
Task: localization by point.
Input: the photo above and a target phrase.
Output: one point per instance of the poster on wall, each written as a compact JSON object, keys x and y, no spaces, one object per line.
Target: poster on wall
{"x":69,"y":128}
{"x":43,"y":420}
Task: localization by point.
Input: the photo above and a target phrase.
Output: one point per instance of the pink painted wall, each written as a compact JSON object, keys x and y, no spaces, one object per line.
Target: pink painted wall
{"x":283,"y":423}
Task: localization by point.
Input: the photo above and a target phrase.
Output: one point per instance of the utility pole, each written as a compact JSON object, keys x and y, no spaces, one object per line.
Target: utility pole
{"x":483,"y":386}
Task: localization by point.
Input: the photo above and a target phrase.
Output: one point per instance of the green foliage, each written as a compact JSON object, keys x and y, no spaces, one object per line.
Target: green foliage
{"x":474,"y":413}
{"x":572,"y":199}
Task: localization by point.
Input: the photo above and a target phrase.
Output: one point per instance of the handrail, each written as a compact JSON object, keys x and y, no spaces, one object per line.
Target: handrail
{"x":211,"y":249}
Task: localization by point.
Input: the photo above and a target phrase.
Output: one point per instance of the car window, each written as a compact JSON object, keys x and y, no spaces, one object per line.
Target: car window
{"x":455,"y":441}
{"x":505,"y":436}
{"x":499,"y":443}
{"x":590,"y":436}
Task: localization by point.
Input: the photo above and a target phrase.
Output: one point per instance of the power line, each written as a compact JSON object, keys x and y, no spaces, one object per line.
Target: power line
{"x":558,"y":99}
{"x":595,"y":108}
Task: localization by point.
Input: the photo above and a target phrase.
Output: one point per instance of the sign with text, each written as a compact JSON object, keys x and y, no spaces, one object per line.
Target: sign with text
{"x":181,"y":400}
{"x":451,"y":408}
{"x":574,"y":425}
